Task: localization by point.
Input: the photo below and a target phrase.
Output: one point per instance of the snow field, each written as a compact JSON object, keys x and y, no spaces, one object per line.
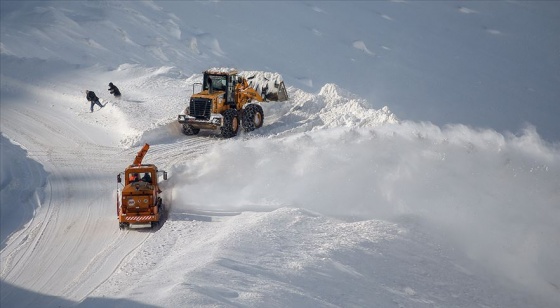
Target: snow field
{"x":472,"y":185}
{"x":336,"y":201}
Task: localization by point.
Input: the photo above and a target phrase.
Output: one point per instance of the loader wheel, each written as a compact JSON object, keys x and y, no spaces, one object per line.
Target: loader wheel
{"x":189,"y":130}
{"x":253,"y":117}
{"x":231,"y":123}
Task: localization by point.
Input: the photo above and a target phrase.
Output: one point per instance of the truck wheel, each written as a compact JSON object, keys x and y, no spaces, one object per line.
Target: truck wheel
{"x":160,"y":205}
{"x":189,"y":130}
{"x":253,"y":117}
{"x":231,"y":123}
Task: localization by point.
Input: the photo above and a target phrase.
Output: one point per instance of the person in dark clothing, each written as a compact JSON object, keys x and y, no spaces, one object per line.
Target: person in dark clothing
{"x":114,"y":90}
{"x":147,"y":178}
{"x":90,"y":96}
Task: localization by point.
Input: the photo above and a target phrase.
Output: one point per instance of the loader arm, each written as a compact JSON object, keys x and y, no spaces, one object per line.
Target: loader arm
{"x":244,"y":90}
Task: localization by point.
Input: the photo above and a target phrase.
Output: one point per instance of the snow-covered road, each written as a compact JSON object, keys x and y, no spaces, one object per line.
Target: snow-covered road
{"x":71,"y":244}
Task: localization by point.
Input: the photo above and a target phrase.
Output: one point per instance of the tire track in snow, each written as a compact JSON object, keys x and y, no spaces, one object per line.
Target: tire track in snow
{"x":73,"y":244}
{"x":23,"y":243}
{"x":89,"y":279}
{"x":184,"y":149}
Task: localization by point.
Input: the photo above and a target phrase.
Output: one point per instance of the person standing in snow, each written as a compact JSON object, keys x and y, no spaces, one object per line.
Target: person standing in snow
{"x":114,"y":90}
{"x":90,"y":96}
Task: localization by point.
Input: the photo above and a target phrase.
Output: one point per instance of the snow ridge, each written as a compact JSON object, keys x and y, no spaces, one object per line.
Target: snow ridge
{"x":331,"y":107}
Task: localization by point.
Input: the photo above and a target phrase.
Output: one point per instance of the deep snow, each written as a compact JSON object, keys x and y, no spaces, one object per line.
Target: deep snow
{"x":487,"y":64}
{"x":336,"y":201}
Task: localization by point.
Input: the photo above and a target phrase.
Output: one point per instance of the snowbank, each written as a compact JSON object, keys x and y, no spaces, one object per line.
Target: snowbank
{"x":22,"y":184}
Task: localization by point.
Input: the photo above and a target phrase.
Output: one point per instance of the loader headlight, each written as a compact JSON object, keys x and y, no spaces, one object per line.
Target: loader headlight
{"x":216,"y":121}
{"x":130,"y":202}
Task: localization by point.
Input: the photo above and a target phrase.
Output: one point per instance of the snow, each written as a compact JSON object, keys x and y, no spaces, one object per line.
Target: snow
{"x":416,"y":163}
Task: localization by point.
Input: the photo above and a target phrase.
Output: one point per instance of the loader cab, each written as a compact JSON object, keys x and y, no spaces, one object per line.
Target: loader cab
{"x":221,"y":82}
{"x":215,"y":83}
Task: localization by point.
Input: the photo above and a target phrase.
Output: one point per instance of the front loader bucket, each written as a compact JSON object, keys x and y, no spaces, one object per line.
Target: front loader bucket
{"x":269,"y":85}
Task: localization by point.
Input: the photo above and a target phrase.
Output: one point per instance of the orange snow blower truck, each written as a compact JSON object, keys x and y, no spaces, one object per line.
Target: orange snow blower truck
{"x":138,"y":200}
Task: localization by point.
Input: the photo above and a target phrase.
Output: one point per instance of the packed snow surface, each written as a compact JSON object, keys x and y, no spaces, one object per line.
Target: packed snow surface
{"x":337,"y":201}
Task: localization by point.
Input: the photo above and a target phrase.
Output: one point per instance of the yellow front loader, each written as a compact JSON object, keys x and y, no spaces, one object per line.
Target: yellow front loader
{"x":228,"y":99}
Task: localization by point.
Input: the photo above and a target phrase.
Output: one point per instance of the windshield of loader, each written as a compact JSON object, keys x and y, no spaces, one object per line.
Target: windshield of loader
{"x":215,"y":83}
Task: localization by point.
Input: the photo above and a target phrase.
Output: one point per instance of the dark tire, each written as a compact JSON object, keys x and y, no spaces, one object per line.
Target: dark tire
{"x":189,"y":130}
{"x":160,"y":206}
{"x":231,"y":123}
{"x":253,"y":117}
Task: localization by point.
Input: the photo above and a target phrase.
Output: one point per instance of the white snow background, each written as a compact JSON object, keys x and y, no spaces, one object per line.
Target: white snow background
{"x":416,"y":163}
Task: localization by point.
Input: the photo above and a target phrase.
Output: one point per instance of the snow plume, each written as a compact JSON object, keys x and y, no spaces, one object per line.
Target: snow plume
{"x":496,"y":197}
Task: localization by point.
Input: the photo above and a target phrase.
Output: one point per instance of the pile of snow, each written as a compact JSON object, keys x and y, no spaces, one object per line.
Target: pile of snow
{"x":22,"y":184}
{"x":331,"y":107}
{"x":222,"y":70}
{"x":270,"y":82}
